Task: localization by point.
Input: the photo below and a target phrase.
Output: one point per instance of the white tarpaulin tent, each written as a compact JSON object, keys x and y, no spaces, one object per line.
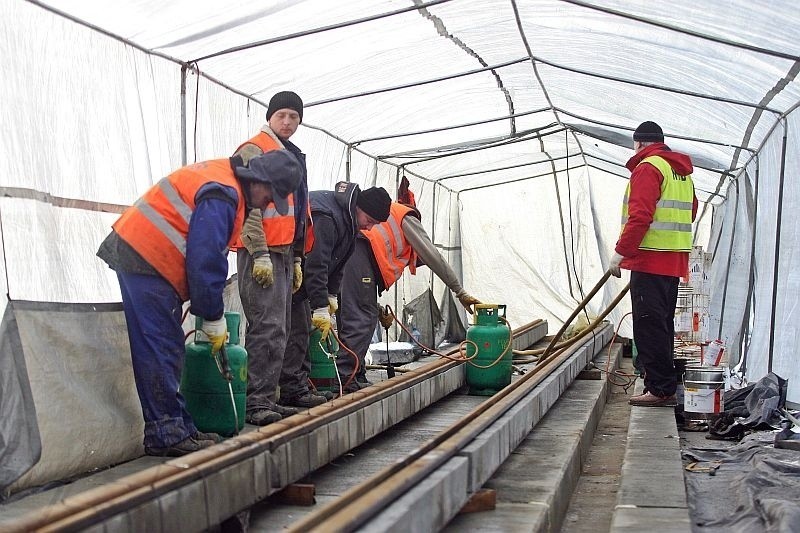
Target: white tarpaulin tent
{"x":511,"y":118}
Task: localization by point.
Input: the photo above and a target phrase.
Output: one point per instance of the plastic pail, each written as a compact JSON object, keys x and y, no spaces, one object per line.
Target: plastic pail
{"x":703,"y":390}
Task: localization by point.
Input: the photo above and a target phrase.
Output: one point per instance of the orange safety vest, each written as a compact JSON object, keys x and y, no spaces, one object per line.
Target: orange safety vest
{"x":392,"y":251}
{"x":279,"y":229}
{"x":156,"y":226}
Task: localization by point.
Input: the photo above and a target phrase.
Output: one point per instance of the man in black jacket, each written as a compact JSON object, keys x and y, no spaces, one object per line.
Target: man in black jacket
{"x":338,"y":216}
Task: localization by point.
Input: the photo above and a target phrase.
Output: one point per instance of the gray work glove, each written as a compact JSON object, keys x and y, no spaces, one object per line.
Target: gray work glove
{"x":297,"y":278}
{"x":333,"y":304}
{"x":255,"y":241}
{"x":613,"y":265}
{"x":321,"y":319}
{"x":217,"y":333}
{"x":262,"y":270}
{"x":467,"y":300}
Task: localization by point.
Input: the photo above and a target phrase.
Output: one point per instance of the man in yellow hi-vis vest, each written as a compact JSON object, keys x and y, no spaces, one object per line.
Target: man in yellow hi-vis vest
{"x":657,"y":214}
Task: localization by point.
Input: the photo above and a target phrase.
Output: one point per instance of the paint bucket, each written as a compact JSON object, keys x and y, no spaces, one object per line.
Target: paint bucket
{"x":681,"y":363}
{"x":703,"y":390}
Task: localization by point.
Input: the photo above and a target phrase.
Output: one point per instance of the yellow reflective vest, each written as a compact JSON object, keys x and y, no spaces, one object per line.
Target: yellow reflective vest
{"x":671,"y":229}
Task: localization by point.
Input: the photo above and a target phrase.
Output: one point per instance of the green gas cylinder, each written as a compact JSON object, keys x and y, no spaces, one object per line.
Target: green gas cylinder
{"x":323,"y":370}
{"x":208,"y":398}
{"x":490,"y":370}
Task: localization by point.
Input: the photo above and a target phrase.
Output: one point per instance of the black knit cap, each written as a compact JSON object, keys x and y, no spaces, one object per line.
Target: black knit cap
{"x":285,"y":100}
{"x":648,"y":132}
{"x":375,"y":202}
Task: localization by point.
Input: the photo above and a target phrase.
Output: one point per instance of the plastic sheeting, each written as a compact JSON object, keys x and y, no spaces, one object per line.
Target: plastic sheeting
{"x":82,"y":411}
{"x":22,"y":445}
{"x":512,"y":121}
{"x":766,"y":489}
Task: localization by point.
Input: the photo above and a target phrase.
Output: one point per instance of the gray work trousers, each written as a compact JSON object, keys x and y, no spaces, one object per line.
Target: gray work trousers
{"x":358,"y":310}
{"x":268,"y":313}
{"x":296,"y":365}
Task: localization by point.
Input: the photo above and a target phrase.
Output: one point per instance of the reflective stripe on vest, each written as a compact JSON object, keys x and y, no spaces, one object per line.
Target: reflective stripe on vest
{"x":157,"y":224}
{"x":278,"y":229}
{"x":391,"y":249}
{"x":671,"y":228}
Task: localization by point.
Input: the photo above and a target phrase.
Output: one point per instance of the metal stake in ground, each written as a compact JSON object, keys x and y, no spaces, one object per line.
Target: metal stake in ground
{"x":389,"y":367}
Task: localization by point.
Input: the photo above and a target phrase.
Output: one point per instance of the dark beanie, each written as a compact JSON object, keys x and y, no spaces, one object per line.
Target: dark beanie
{"x":375,"y":202}
{"x":648,"y":132}
{"x":285,"y":100}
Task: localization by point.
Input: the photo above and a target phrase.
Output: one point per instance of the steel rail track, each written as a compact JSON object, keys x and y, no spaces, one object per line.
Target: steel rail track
{"x":363,"y":501}
{"x":101,"y":504}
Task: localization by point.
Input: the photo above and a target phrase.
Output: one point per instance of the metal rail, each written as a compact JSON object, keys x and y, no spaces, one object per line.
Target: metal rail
{"x":360,"y":503}
{"x":101,"y":503}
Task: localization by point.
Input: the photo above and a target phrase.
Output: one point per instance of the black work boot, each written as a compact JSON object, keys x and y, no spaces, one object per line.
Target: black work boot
{"x":285,"y":411}
{"x":354,"y":386}
{"x":363,"y":381}
{"x":184,"y":447}
{"x":328,"y":395}
{"x":305,"y":400}
{"x":262,"y":417}
{"x":199,"y":435}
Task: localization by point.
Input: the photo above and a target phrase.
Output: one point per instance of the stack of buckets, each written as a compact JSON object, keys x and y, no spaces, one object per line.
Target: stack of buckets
{"x":704,"y":385}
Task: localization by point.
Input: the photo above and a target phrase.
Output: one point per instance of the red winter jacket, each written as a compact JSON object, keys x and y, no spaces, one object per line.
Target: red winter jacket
{"x":645,"y":192}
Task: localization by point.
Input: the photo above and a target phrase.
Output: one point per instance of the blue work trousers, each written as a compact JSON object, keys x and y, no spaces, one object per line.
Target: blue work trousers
{"x":153,"y":313}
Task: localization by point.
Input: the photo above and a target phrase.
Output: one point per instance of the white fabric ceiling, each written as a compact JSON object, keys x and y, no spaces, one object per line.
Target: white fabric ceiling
{"x":512,"y":118}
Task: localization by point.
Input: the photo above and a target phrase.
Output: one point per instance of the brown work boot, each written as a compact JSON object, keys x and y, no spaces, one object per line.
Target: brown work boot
{"x":262,"y":417}
{"x":638,"y":397}
{"x":649,"y":399}
{"x":184,"y":447}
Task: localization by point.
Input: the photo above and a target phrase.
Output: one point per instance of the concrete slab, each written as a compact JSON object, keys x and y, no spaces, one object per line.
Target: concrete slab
{"x":230,"y":490}
{"x":638,"y":519}
{"x":447,"y":486}
{"x":652,"y":494}
{"x":535,"y":482}
{"x":185,"y":509}
{"x":520,"y":518}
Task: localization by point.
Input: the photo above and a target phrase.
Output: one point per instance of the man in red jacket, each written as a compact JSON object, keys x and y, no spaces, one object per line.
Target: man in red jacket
{"x":657,"y":215}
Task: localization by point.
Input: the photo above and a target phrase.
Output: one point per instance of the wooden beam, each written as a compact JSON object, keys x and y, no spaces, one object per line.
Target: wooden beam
{"x":483,"y":500}
{"x":297,"y":494}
